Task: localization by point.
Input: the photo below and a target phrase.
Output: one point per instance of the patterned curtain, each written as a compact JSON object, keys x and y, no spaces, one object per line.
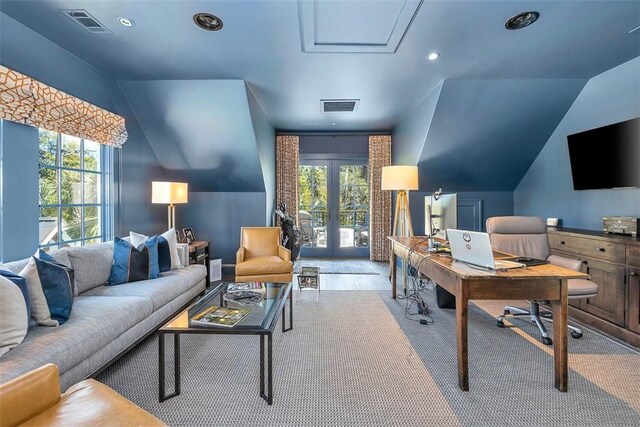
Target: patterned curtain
{"x":380,"y":201}
{"x":30,"y":102}
{"x":287,"y":159}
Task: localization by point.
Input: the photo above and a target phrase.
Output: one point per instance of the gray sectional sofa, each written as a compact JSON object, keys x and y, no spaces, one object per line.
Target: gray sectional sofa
{"x":105,"y":320}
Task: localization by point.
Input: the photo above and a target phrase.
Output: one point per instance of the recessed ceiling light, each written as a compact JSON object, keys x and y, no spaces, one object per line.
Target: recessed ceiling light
{"x":521,"y":20}
{"x":126,"y":21}
{"x":433,"y":56}
{"x":333,"y":123}
{"x":207,"y":21}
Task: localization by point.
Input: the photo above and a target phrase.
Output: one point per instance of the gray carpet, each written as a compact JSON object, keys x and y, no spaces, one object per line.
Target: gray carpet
{"x":354,"y":359}
{"x":342,"y":266}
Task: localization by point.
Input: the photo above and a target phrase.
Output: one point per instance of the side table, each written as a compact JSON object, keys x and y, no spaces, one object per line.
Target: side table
{"x":199,"y":254}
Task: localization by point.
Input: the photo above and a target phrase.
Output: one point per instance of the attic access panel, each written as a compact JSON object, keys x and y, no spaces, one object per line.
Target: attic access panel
{"x":353,"y":26}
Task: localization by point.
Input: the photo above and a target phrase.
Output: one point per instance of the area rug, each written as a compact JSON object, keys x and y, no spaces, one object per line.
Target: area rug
{"x":354,"y":359}
{"x":342,"y":266}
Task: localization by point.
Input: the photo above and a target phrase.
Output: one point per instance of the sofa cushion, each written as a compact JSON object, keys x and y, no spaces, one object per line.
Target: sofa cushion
{"x":134,"y":263}
{"x":14,"y":321}
{"x":94,"y":323}
{"x":60,"y":255}
{"x":159,"y":291}
{"x":21,"y":283}
{"x":92,"y":264}
{"x":57,"y":285}
{"x":39,"y":307}
{"x":261,"y":265}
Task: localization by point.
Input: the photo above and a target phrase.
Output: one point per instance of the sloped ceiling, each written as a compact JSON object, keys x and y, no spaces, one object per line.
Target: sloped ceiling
{"x":484,"y":134}
{"x":201,"y":130}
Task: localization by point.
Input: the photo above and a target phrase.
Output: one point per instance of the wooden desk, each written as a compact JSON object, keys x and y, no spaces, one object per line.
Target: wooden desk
{"x":544,"y":282}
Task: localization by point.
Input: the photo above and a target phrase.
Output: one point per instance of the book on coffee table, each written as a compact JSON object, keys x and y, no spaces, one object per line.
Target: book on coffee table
{"x":220,"y":316}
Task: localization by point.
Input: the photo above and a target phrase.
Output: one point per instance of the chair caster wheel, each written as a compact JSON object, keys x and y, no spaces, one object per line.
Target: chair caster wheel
{"x":546,"y":341}
{"x":500,"y":324}
{"x":576,"y":335}
{"x":507,"y":312}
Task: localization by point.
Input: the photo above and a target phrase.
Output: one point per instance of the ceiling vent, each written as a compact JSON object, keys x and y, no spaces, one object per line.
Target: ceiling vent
{"x":635,"y":31}
{"x":85,"y":20}
{"x":339,"y":105}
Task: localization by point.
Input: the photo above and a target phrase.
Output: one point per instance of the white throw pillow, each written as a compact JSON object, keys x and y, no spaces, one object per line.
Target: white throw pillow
{"x":170,"y":236}
{"x":13,"y":316}
{"x":39,"y":307}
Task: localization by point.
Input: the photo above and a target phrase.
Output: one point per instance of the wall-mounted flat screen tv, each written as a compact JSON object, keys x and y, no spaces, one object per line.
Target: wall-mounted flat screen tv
{"x":606,"y":157}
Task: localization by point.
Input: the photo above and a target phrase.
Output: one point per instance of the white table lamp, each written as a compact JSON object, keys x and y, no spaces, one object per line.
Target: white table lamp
{"x":170,"y":193}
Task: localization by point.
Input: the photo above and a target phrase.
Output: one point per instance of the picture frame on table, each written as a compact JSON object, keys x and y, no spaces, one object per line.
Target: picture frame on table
{"x":189,"y":235}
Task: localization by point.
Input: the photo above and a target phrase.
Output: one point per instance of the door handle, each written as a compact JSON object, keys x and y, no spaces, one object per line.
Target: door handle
{"x":600,"y":249}
{"x":633,"y":273}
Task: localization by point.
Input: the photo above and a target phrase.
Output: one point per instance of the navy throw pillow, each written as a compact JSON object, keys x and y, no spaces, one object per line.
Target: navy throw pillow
{"x":57,"y":284}
{"x":164,"y":255}
{"x":132,"y":264}
{"x":21,"y":282}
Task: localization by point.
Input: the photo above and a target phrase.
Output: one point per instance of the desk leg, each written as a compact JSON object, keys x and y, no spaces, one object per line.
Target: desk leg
{"x":560,"y":312}
{"x":462,"y":304}
{"x":392,"y":266}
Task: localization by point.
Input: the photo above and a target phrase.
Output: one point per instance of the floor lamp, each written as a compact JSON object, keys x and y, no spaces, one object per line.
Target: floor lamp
{"x":170,"y":193}
{"x":401,"y":179}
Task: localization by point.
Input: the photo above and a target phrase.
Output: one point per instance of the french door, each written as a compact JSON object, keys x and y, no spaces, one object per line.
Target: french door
{"x":333,"y":213}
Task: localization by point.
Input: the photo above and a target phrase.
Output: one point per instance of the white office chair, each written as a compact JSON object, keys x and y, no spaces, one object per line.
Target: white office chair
{"x":526,"y":236}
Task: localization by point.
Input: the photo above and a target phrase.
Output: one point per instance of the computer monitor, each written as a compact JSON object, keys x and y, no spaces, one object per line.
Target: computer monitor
{"x":440,"y":213}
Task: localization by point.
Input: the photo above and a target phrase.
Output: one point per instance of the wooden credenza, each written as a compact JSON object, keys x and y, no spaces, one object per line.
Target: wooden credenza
{"x":613,"y":262}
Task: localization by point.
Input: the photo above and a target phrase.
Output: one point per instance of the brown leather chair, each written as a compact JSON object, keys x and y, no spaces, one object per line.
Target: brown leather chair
{"x":526,"y":236}
{"x":261,"y":257}
{"x":34,"y":399}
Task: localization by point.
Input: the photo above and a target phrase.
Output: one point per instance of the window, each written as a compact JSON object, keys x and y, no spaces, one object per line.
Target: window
{"x":75,"y":191}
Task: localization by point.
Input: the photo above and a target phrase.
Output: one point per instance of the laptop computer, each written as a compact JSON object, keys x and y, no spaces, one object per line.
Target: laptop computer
{"x":472,"y":247}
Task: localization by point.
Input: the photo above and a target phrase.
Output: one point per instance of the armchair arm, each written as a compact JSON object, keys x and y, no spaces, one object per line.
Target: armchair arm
{"x":240,"y":255}
{"x":29,"y":395}
{"x":284,"y":253}
{"x":561,"y":261}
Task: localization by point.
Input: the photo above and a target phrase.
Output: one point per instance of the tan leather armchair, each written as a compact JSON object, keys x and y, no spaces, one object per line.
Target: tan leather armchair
{"x":261,"y":257}
{"x":34,"y":399}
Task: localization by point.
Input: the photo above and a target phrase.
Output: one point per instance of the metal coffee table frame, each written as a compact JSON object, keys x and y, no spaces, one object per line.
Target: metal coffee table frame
{"x":263,"y":332}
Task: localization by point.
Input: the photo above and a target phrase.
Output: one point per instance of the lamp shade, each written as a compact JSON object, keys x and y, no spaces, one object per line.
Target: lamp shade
{"x":400,"y":178}
{"x":169,"y":193}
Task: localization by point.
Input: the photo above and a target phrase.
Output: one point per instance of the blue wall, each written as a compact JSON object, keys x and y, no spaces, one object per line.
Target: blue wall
{"x":547,"y":188}
{"x":410,"y":135}
{"x":494,"y":203}
{"x":334,"y":146}
{"x":20,"y":214}
{"x":28,"y":52}
{"x":219,"y":216}
{"x":266,"y":141}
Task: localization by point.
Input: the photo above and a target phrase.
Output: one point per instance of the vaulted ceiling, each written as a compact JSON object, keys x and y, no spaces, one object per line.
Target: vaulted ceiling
{"x":494,"y":95}
{"x":280,"y":47}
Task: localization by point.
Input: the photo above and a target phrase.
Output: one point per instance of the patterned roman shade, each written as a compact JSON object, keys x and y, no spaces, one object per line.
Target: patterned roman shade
{"x":380,"y":201}
{"x":30,"y":102}
{"x":287,"y":158}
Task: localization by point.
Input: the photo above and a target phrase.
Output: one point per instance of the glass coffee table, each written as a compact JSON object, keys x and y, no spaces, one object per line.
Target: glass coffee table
{"x":259,"y":319}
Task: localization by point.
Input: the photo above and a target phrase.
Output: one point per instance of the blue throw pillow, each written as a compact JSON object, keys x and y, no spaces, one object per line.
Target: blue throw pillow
{"x":132,"y":264}
{"x":21,"y":282}
{"x":164,"y":255}
{"x":57,"y":284}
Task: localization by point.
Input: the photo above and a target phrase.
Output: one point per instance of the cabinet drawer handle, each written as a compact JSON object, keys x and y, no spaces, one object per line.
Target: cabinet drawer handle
{"x":562,"y":242}
{"x":600,"y":249}
{"x":633,"y":273}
